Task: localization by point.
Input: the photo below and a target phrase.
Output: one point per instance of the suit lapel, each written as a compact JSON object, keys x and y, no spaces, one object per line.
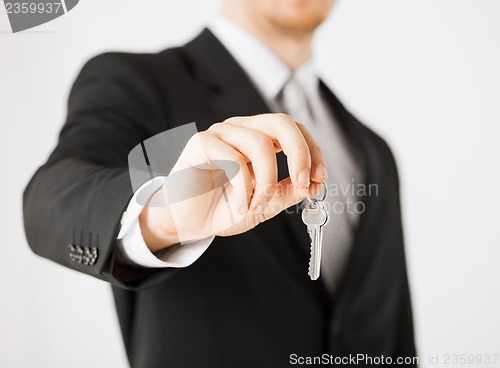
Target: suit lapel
{"x":362,"y":251}
{"x":232,"y":92}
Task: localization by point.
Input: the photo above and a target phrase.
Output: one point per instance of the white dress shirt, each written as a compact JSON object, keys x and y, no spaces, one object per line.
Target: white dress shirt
{"x":268,"y":74}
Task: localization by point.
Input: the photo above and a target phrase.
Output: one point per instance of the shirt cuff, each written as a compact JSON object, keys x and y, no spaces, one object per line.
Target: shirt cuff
{"x":133,"y":249}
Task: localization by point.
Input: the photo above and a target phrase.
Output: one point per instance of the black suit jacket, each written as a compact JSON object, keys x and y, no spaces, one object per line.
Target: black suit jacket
{"x":247,"y":302}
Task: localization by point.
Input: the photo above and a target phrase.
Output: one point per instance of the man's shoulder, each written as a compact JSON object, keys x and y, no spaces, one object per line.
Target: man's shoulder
{"x":112,"y":63}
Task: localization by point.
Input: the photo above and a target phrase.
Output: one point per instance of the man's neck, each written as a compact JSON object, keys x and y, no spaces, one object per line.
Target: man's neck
{"x":292,"y":48}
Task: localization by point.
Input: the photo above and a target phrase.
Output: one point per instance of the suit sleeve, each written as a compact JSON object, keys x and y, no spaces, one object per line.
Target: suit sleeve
{"x":75,"y":201}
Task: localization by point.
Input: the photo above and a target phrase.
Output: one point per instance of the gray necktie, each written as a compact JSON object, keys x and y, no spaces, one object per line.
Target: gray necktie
{"x":337,"y":236}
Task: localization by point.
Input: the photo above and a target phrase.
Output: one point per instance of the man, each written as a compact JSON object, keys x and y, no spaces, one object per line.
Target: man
{"x":192,"y":295}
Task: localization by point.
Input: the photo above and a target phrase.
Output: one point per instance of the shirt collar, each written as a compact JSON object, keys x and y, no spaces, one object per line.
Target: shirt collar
{"x":264,"y":68}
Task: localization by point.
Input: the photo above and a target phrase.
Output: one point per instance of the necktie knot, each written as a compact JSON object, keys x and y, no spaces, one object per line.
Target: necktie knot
{"x":293,"y":100}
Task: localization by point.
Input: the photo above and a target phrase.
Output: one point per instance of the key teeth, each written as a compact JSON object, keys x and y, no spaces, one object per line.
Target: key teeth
{"x":311,"y":271}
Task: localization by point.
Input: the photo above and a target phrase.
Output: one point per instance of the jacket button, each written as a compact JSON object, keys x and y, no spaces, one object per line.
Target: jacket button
{"x":75,"y":253}
{"x":86,"y":255}
{"x":72,"y":251}
{"x":90,"y":256}
{"x":94,"y":254}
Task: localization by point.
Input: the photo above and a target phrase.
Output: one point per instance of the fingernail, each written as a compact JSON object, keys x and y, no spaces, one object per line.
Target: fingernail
{"x":320,"y":171}
{"x":243,"y":210}
{"x":303,"y":178}
{"x":260,"y":208}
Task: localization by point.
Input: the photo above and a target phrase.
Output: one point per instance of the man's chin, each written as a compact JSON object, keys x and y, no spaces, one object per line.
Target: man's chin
{"x":301,"y":25}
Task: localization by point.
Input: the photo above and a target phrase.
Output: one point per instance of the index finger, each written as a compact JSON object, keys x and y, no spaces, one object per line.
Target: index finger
{"x":283,"y":129}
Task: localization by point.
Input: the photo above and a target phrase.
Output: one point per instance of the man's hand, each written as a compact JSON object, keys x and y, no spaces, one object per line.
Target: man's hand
{"x":233,"y":204}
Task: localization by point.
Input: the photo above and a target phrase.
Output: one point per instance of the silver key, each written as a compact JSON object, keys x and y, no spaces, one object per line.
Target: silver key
{"x":315,"y":216}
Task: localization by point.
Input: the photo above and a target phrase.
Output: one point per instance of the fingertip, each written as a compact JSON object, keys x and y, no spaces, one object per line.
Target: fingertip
{"x":303,"y":178}
{"x":320,"y":174}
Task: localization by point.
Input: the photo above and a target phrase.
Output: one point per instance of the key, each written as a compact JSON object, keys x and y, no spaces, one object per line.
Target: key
{"x":315,"y":216}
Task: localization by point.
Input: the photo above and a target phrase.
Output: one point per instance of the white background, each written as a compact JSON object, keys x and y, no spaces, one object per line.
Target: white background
{"x":425,"y":74}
